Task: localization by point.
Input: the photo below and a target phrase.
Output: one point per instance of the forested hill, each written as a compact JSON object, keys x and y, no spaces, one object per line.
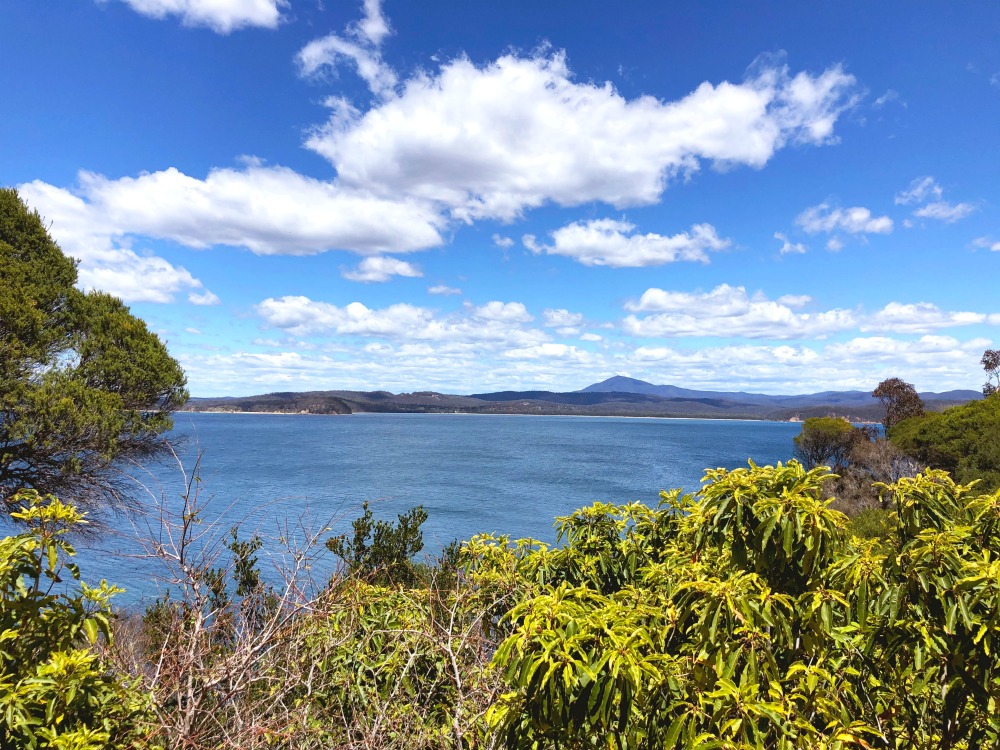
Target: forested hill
{"x":614,"y":397}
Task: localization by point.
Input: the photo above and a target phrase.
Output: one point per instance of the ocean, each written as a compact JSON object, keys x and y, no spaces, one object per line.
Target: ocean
{"x":288,"y":476}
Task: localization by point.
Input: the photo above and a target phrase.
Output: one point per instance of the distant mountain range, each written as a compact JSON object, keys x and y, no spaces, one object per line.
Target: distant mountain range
{"x":617,"y":396}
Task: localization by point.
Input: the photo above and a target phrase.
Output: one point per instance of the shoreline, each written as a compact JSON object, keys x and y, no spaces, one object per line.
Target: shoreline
{"x":488,"y":414}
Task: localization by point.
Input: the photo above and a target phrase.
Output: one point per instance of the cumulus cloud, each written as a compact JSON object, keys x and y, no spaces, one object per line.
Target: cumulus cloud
{"x":443,"y":289}
{"x":506,"y":312}
{"x":987,"y":243}
{"x":379,"y":268}
{"x":494,"y":140}
{"x":495,"y":323}
{"x":465,"y":366}
{"x":787,"y":246}
{"x":549,"y":351}
{"x":607,"y":242}
{"x":222,"y":16}
{"x":856,"y":220}
{"x":591,"y":337}
{"x":107,"y":260}
{"x":729,"y":312}
{"x":726,"y":312}
{"x":501,"y":241}
{"x":268,"y":210}
{"x":561,"y":318}
{"x":203,"y":298}
{"x":921,"y":317}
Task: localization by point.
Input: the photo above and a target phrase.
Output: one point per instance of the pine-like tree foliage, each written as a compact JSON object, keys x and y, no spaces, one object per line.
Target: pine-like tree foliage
{"x":83,"y":382}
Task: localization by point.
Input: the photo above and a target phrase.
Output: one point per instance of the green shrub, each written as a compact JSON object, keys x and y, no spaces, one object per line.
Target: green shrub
{"x":56,"y":691}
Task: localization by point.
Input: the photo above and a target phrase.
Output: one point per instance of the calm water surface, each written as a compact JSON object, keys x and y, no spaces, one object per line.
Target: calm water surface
{"x":473,"y":474}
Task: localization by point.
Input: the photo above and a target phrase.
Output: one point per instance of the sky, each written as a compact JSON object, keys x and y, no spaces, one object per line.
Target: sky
{"x":464,"y":197}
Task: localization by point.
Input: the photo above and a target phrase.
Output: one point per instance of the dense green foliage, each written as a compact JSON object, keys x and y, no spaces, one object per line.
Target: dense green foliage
{"x":745,"y":617}
{"x":826,"y":441}
{"x":55,"y":690}
{"x":963,"y":440}
{"x":379,"y":551}
{"x":82,"y":380}
{"x":748,"y":615}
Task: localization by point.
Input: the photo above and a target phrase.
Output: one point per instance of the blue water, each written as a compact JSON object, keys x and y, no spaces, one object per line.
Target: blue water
{"x":473,"y":474}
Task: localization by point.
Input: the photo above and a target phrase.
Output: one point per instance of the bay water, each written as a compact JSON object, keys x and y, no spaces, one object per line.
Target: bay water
{"x":284,"y":475}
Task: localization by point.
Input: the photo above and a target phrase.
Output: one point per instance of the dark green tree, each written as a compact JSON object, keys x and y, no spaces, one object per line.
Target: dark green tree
{"x":382,"y":552}
{"x":84,"y":384}
{"x":827,"y":441}
{"x":963,"y":440}
{"x":900,"y":399}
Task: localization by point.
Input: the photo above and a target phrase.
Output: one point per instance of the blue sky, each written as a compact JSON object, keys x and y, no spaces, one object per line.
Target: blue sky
{"x":780,"y":197}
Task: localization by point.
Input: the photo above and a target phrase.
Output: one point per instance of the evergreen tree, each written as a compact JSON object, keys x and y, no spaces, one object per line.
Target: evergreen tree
{"x":84,"y":384}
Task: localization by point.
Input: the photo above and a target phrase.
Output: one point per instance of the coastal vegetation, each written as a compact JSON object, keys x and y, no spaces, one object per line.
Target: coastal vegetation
{"x":749,"y":614}
{"x":83,"y":382}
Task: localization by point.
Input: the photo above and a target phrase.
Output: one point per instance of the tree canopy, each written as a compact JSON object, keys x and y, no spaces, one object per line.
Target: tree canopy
{"x":826,"y":441}
{"x":83,"y":382}
{"x":963,"y":440}
{"x":900,"y":399}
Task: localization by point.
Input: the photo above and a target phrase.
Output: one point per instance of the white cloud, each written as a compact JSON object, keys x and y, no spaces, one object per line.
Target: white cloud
{"x":920,"y":190}
{"x":835,"y":244}
{"x":986,"y":242}
{"x":467,"y":366}
{"x":788,"y":246}
{"x":360,"y":46}
{"x":222,"y":16}
{"x":606,"y":242}
{"x":192,"y":331}
{"x":561,"y":318}
{"x":268,"y":210}
{"x":495,"y":324}
{"x":443,"y":290}
{"x":891,"y":95}
{"x":507,"y":312}
{"x":549,"y":351}
{"x":495,"y":140}
{"x":944,"y":211}
{"x":591,"y":337}
{"x":108,"y":262}
{"x":925,"y":190}
{"x":501,"y":241}
{"x":728,"y":312}
{"x":795,"y":300}
{"x":855,"y":220}
{"x":921,"y":317}
{"x":203,"y":298}
{"x":373,"y":27}
{"x":379,"y":268}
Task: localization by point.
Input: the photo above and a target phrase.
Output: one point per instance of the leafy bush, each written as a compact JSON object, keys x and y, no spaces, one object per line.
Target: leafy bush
{"x":747,"y":617}
{"x":963,"y":440}
{"x":56,"y":691}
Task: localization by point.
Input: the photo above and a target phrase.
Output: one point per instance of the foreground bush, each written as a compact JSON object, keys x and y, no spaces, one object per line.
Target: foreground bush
{"x":55,"y":690}
{"x":748,"y":615}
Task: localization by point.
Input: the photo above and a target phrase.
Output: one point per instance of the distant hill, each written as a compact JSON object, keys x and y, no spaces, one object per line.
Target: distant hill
{"x":618,"y":396}
{"x":623,"y":384}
